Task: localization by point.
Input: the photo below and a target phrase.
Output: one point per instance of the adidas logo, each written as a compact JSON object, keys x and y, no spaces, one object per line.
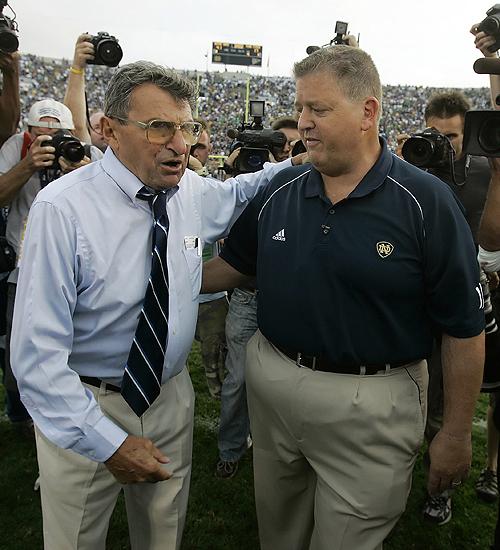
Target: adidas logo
{"x":280,"y":236}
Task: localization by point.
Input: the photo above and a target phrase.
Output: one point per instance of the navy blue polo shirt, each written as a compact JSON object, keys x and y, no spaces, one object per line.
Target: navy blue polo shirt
{"x":367,"y":280}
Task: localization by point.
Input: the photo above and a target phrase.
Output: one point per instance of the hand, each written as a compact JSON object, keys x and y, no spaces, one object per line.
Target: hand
{"x":450,"y":461}
{"x":194,"y":164}
{"x":67,"y":166}
{"x":483,"y":41}
{"x":350,"y":40}
{"x":301,"y":158}
{"x":40,"y":154}
{"x":493,"y":280}
{"x":138,"y":460}
{"x":84,"y":50}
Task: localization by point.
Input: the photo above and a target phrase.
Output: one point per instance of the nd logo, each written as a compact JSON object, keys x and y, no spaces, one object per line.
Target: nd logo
{"x":384,"y":249}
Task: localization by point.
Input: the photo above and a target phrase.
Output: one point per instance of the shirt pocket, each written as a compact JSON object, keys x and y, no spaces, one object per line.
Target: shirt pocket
{"x":193,"y":260}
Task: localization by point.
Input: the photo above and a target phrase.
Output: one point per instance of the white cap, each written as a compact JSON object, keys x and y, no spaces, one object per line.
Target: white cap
{"x":50,"y":108}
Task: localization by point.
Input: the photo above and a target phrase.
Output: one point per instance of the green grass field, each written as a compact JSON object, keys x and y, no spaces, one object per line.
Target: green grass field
{"x":221,"y":514}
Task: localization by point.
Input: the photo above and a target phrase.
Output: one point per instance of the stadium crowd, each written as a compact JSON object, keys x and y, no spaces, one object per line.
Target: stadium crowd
{"x":99,"y":351}
{"x":222,"y":97}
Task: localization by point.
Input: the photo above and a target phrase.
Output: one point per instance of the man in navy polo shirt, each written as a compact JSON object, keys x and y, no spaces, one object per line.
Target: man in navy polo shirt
{"x":360,"y":259}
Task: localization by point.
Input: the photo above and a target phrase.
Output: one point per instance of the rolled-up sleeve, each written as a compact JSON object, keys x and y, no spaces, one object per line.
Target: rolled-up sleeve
{"x":42,"y":335}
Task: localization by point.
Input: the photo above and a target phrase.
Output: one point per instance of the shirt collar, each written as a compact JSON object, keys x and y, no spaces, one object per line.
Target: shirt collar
{"x":127,"y":181}
{"x":372,"y":180}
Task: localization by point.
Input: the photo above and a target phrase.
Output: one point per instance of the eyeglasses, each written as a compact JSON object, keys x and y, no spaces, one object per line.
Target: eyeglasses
{"x":160,"y":132}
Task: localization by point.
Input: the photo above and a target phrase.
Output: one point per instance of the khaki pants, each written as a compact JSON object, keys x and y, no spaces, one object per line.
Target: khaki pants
{"x":333,"y":453}
{"x":78,"y":494}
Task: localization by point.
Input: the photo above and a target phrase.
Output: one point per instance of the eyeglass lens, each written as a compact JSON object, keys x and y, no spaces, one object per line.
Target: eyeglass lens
{"x":161,"y":131}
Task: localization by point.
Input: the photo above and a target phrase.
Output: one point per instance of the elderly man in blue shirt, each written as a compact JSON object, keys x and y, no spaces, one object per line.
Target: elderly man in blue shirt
{"x":106,"y":312}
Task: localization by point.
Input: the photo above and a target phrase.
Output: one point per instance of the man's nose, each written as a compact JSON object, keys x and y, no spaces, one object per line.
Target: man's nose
{"x":177,"y":143}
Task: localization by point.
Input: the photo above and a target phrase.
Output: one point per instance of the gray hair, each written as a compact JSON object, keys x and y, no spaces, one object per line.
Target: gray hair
{"x":353,"y":69}
{"x":127,"y":78}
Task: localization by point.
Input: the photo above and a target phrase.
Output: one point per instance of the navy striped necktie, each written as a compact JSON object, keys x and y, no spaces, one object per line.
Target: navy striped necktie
{"x":143,"y":373}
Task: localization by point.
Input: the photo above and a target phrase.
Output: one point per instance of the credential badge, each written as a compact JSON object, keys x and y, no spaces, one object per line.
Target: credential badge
{"x":384,"y":249}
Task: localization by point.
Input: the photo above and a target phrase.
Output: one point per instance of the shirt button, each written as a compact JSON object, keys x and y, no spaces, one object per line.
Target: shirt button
{"x":325,"y":231}
{"x":331,"y":211}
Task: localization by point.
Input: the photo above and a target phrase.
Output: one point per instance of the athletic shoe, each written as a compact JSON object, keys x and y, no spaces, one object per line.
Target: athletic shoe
{"x":438,"y":509}
{"x":226,"y":469}
{"x":487,"y":485}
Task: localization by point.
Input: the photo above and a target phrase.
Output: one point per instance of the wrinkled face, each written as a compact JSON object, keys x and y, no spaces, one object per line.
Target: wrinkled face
{"x":452,"y":127}
{"x":157,"y":166}
{"x":36,"y":131}
{"x":330,"y":125}
{"x":95,"y":131}
{"x":203,"y":148}
{"x":291,"y":135}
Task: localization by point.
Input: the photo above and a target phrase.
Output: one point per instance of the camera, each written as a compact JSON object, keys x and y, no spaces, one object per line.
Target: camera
{"x":67,"y":146}
{"x":9,"y":42}
{"x":491,"y":25}
{"x":255,"y":141}
{"x":340,"y":33}
{"x":107,"y":51}
{"x":482,"y":133}
{"x":428,"y":149}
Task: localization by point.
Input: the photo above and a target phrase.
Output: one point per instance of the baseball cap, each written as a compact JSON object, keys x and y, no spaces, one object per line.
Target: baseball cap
{"x":54,"y":109}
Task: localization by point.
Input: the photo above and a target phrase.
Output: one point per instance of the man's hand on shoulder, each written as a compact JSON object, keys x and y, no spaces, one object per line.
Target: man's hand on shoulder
{"x":138,"y":460}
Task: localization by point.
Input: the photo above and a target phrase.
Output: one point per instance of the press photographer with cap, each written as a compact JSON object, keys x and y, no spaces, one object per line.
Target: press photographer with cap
{"x":26,"y":166}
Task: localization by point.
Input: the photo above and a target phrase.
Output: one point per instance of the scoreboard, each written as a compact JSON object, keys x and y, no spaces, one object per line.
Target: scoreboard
{"x":236,"y":54}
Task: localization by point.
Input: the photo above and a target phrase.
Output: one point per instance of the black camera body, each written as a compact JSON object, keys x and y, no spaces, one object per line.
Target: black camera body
{"x":255,"y":141}
{"x":340,"y":32}
{"x":491,"y":25}
{"x":428,"y":149}
{"x":482,"y":133}
{"x":66,"y":146}
{"x":107,"y":51}
{"x":9,"y":42}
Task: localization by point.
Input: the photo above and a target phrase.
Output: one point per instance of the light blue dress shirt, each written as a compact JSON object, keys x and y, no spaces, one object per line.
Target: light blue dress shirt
{"x":84,"y":267}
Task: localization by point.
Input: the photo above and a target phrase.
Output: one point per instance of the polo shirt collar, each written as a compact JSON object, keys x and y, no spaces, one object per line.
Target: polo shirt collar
{"x":128,"y":182}
{"x":373,"y":179}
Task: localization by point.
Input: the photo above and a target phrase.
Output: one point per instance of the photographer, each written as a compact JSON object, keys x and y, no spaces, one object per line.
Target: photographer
{"x":483,"y":43}
{"x":28,"y":163}
{"x":288,"y":127}
{"x":445,"y":112}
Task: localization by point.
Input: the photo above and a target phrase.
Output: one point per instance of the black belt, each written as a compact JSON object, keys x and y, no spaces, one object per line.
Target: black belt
{"x":325,"y":365}
{"x":96,"y":382}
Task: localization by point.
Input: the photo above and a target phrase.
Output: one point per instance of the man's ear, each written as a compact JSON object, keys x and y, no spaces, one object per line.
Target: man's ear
{"x":108,"y":132}
{"x":371,"y":109}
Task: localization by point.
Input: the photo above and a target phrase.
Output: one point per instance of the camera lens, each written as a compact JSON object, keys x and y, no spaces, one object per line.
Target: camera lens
{"x":418,"y":151}
{"x":110,"y":52}
{"x":489,"y":135}
{"x":8,"y":41}
{"x":490,"y":25}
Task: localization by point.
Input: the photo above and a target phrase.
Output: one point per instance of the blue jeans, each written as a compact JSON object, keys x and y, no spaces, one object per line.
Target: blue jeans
{"x":241,"y":324}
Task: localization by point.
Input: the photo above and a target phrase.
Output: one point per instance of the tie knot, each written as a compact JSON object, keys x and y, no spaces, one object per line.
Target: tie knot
{"x":157,"y":201}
